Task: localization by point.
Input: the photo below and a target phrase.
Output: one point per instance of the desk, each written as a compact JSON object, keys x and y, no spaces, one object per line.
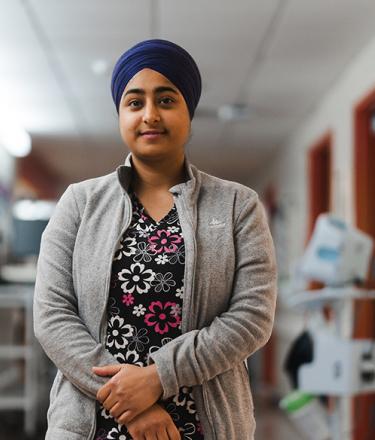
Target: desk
{"x":24,"y":395}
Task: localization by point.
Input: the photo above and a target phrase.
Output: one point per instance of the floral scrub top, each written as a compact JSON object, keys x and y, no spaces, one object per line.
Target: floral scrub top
{"x":144,"y":309}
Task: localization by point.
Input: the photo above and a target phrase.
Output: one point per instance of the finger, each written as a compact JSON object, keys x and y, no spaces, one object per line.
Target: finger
{"x":109,"y":402}
{"x":126,"y":417}
{"x":138,"y":437}
{"x":163,"y":434}
{"x":106,"y":370}
{"x":151,"y":436}
{"x":103,"y":393}
{"x":116,"y":410}
{"x":173,"y":432}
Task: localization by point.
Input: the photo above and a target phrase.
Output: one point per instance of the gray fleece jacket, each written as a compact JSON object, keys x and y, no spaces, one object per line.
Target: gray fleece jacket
{"x":228,"y":305}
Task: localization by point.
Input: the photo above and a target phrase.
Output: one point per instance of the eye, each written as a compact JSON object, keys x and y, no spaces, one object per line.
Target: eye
{"x":166,"y":100}
{"x":135,"y":103}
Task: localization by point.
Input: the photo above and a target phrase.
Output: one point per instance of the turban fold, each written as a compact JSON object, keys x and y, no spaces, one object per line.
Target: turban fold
{"x":167,"y":58}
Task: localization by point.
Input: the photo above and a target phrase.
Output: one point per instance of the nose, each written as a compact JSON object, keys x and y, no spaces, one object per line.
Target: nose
{"x":151,"y":113}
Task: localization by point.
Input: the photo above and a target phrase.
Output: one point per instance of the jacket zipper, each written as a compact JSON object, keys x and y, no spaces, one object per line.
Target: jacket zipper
{"x":204,"y":391}
{"x":103,"y":322}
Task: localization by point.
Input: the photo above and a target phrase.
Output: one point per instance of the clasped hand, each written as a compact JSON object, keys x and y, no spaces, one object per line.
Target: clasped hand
{"x":130,"y":391}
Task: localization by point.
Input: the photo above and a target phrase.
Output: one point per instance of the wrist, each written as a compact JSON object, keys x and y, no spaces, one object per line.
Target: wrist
{"x":154,"y":380}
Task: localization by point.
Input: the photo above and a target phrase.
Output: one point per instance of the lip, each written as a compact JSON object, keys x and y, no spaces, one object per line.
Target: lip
{"x":152,"y":134}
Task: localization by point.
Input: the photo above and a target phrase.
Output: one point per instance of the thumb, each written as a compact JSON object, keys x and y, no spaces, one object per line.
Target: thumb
{"x":107,"y":370}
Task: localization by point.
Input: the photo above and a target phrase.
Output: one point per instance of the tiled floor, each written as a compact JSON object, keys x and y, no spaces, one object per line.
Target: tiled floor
{"x":271,"y":425}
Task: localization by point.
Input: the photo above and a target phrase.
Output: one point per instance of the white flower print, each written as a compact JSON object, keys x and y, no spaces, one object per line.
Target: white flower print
{"x":131,"y":357}
{"x":144,"y":231}
{"x":161,"y":259}
{"x":118,"y":254}
{"x":117,"y":332}
{"x":126,"y":247}
{"x":136,"y":279}
{"x":173,"y":229}
{"x":154,"y":348}
{"x":180,"y":292}
{"x":143,"y":252}
{"x":139,"y":310}
{"x":172,"y":410}
{"x":181,"y":398}
{"x":190,"y":406}
{"x":115,"y":434}
{"x":178,"y":256}
{"x":163,"y":282}
{"x":129,"y":246}
{"x":111,"y":307}
{"x":187,"y":431}
{"x":105,"y":413}
{"x":139,"y":339}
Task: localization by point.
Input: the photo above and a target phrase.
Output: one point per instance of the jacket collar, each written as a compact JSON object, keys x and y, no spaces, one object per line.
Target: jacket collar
{"x":190,"y":186}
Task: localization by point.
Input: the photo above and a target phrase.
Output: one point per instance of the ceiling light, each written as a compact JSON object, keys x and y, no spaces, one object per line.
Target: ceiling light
{"x":33,"y":209}
{"x":15,"y":139}
{"x":99,"y":67}
{"x":233,"y":112}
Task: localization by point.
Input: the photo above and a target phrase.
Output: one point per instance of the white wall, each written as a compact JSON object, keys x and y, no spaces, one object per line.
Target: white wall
{"x":288,"y":171}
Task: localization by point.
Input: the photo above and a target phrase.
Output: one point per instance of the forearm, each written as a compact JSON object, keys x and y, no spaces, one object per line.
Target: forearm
{"x":57,"y":324}
{"x":199,"y":355}
{"x":69,"y":345}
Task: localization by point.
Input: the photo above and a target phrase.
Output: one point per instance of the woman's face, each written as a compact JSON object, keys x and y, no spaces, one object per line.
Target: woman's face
{"x":153,"y":117}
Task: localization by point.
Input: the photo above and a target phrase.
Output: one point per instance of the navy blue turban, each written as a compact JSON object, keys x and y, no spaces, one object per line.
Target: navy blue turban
{"x":167,"y":58}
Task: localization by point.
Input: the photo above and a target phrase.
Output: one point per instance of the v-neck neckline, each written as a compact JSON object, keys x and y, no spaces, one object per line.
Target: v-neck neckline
{"x":146,"y":214}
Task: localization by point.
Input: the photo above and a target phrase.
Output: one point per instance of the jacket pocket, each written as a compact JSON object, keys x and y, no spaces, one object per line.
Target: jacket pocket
{"x":70,"y":410}
{"x":63,"y":434}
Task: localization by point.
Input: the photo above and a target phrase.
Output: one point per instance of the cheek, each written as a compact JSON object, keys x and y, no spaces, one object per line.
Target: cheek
{"x":125,"y":125}
{"x":182,"y":127}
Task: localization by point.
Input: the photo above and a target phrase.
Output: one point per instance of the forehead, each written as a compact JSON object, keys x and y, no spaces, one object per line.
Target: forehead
{"x":148,"y":79}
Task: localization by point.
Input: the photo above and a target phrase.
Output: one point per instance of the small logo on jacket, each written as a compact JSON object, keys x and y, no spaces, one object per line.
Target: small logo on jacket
{"x":214,"y":223}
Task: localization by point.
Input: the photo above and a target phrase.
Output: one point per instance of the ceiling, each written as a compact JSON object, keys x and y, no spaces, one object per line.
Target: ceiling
{"x":279,"y":57}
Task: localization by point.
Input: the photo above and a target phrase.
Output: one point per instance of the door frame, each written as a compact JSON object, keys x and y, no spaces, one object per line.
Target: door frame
{"x":315,"y":175}
{"x":364,"y":324}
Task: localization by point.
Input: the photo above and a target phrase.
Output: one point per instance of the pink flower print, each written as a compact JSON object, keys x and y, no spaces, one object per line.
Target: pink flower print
{"x":128,"y":299}
{"x":161,"y":317}
{"x":164,"y":241}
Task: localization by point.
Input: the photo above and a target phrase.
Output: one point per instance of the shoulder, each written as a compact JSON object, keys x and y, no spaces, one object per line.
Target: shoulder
{"x":95,"y":183}
{"x":94,"y":193}
{"x":226,"y":191}
{"x":95,"y":187}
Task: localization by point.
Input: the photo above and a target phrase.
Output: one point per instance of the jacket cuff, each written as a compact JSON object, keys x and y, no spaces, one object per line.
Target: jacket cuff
{"x":166,"y":374}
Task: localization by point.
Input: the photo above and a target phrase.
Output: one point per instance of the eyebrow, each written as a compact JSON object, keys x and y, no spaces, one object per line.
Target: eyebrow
{"x":159,"y":89}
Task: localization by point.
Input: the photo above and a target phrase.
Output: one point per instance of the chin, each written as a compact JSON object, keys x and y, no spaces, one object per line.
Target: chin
{"x":151,"y":152}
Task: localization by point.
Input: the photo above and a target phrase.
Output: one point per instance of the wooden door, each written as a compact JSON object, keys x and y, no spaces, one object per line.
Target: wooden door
{"x":364,"y":171}
{"x":319,"y":180}
{"x":320,"y":188}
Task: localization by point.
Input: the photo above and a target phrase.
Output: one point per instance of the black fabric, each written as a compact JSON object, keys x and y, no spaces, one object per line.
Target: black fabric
{"x":300,"y":352}
{"x":144,"y":309}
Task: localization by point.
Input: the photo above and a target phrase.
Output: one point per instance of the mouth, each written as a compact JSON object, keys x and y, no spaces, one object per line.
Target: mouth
{"x":152,"y":134}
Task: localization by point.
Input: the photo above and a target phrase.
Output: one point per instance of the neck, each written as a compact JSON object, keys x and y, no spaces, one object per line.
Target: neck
{"x":157,"y":176}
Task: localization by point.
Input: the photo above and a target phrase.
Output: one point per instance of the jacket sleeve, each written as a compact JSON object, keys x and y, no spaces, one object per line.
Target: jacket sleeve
{"x":199,"y":355}
{"x":57,"y":324}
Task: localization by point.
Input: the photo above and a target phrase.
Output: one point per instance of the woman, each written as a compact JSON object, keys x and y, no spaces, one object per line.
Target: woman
{"x":156,"y":265}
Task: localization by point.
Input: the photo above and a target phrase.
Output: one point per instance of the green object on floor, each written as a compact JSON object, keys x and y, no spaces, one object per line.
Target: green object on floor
{"x":295,"y":401}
